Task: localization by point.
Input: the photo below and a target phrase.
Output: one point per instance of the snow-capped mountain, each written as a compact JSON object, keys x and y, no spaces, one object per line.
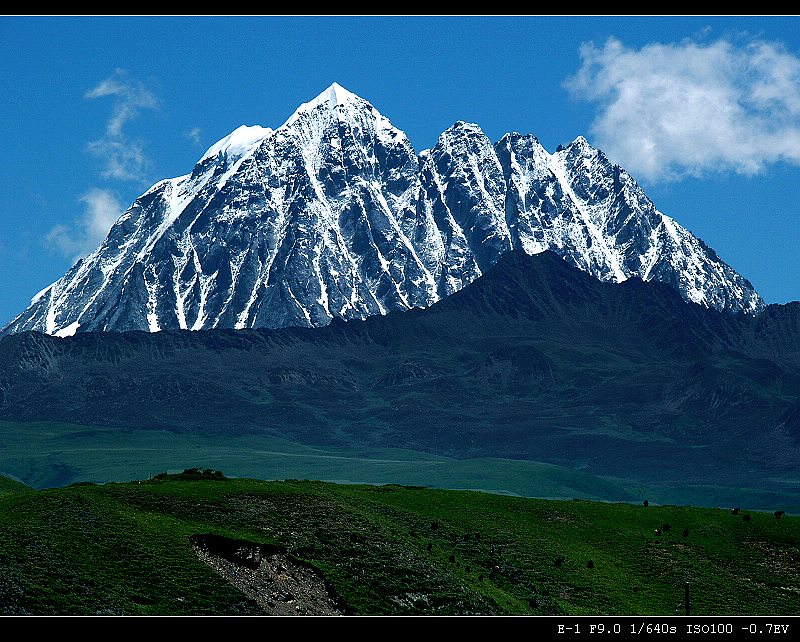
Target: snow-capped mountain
{"x":333,"y":214}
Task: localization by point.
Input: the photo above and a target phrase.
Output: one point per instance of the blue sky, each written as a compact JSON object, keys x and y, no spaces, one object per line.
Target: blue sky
{"x":703,"y":111}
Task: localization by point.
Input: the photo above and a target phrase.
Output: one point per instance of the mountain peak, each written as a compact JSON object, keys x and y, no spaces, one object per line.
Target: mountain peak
{"x":337,"y":94}
{"x":332,"y":96}
{"x":238,"y":141}
{"x":335,"y":215}
{"x":580,"y":142}
{"x":467,"y":126}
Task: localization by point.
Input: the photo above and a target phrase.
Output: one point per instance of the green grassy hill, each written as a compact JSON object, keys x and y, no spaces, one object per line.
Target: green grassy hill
{"x":9,"y":486}
{"x":125,"y":548}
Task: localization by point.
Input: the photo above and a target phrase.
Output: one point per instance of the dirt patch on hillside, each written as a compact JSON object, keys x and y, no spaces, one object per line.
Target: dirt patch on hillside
{"x":278,"y":584}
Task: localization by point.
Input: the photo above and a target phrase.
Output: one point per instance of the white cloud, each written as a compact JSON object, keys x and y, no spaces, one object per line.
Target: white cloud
{"x":124,"y":159}
{"x":193,"y":135}
{"x":87,"y":232}
{"x":666,"y":111}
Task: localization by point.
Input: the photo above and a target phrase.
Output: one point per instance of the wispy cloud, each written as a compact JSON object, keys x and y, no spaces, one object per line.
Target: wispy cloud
{"x":667,"y":111}
{"x":123,"y":158}
{"x":194,"y":135}
{"x":86,"y":233}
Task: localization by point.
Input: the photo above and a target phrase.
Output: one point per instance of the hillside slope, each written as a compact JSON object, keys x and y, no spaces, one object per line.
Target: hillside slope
{"x":141,"y":549}
{"x":536,"y":360}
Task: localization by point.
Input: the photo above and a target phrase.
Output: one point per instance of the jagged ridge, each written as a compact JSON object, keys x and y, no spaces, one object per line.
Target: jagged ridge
{"x":333,"y":214}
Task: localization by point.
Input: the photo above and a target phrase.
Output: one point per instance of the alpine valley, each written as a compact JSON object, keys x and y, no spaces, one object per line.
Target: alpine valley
{"x":321,"y":301}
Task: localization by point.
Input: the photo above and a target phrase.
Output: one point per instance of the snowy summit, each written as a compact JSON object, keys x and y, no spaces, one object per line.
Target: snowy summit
{"x":332,"y":96}
{"x":238,"y":142}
